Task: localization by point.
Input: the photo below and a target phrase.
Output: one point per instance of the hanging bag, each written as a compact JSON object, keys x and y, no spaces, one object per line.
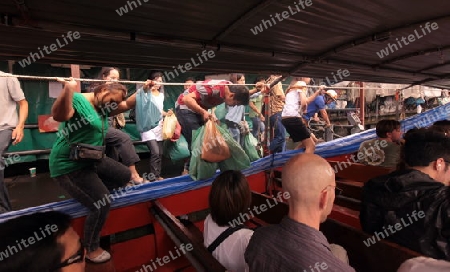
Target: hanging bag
{"x":169,"y":126}
{"x":147,"y":114}
{"x":87,"y":152}
{"x":214,"y":147}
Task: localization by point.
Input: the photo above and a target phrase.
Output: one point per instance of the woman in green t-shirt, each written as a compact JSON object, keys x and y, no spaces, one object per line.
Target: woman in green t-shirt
{"x":84,"y":117}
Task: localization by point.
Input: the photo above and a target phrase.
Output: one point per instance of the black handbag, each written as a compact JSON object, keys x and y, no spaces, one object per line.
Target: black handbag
{"x":84,"y":152}
{"x":87,"y":152}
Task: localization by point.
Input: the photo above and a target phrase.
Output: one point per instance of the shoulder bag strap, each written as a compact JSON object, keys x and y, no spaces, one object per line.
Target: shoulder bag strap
{"x":224,"y":235}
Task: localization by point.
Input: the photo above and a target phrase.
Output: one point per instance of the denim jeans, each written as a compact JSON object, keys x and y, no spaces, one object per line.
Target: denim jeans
{"x":235,"y":132}
{"x":156,"y":151}
{"x":90,"y":186}
{"x":5,"y":141}
{"x":189,"y":121}
{"x":257,"y":126}
{"x":278,"y":143}
{"x":121,"y":141}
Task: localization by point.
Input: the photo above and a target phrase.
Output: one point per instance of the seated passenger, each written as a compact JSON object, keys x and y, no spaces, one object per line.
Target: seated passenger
{"x":443,"y":125}
{"x":296,"y":244}
{"x":385,"y":150}
{"x":40,"y":242}
{"x":229,"y":200}
{"x":424,"y":264}
{"x":411,"y":207}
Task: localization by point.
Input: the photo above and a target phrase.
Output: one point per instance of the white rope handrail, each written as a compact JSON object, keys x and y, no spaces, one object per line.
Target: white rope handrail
{"x":172,"y":83}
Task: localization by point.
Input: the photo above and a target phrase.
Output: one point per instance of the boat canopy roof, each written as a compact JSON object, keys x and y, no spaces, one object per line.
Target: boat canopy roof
{"x":399,"y":41}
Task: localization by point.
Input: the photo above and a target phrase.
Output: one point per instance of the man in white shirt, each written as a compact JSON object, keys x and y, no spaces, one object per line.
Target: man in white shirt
{"x":11,"y":126}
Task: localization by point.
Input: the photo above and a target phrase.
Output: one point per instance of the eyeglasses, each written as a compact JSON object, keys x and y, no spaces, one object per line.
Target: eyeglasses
{"x":76,"y":258}
{"x":337,"y":191}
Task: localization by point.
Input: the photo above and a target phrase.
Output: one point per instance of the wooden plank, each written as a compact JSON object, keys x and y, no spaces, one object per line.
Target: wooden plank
{"x":75,"y":73}
{"x":357,"y":171}
{"x":381,"y":256}
{"x":199,"y":257}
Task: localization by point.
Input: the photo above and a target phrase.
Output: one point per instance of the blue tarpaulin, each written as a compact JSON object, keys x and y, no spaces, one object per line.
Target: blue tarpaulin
{"x":167,"y":187}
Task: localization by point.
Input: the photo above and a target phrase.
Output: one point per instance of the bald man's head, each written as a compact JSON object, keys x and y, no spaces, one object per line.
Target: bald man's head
{"x":307,"y":177}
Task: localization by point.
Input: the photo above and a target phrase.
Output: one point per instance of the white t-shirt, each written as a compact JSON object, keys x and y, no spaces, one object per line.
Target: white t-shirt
{"x":230,"y":253}
{"x":292,"y":104}
{"x":10,"y":94}
{"x":156,"y":132}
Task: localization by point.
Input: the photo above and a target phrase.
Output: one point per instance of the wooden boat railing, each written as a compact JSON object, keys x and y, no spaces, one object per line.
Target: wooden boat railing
{"x":200,"y":258}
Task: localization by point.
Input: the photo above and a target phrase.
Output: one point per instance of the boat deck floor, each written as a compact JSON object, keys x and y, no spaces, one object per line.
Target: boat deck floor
{"x":25,"y":191}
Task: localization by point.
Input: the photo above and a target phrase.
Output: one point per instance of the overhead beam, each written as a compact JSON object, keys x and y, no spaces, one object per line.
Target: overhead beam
{"x":363,"y":40}
{"x":178,"y":42}
{"x":242,"y":18}
{"x":434,"y":67}
{"x":414,"y":54}
{"x":369,"y":67}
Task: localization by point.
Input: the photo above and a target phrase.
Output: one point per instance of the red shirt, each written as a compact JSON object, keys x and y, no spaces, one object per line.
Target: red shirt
{"x":207,"y":96}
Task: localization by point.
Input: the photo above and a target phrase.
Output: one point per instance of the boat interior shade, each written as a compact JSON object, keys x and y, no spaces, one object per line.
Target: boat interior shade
{"x":399,"y":41}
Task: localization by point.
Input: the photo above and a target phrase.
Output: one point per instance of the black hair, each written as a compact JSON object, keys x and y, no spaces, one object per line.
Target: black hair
{"x":386,"y":126}
{"x":259,"y":79}
{"x":30,"y":242}
{"x":425,"y":145}
{"x":241,"y":94}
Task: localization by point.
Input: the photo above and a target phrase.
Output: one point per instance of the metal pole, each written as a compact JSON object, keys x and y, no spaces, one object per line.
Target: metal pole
{"x":362,"y":102}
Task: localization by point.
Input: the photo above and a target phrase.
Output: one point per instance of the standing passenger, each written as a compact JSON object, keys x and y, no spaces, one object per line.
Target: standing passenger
{"x":153,"y":138}
{"x":11,"y":127}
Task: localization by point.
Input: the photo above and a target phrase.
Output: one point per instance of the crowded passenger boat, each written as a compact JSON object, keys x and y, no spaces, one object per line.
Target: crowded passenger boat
{"x":318,"y":143}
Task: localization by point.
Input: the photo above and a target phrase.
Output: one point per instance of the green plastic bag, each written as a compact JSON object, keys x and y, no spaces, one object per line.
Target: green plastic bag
{"x":177,"y":150}
{"x":239,"y":160}
{"x":198,"y":168}
{"x":220,"y":112}
{"x":250,"y":148}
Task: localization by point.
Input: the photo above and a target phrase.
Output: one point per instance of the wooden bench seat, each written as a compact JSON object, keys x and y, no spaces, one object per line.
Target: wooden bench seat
{"x":200,"y":258}
{"x":357,"y":171}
